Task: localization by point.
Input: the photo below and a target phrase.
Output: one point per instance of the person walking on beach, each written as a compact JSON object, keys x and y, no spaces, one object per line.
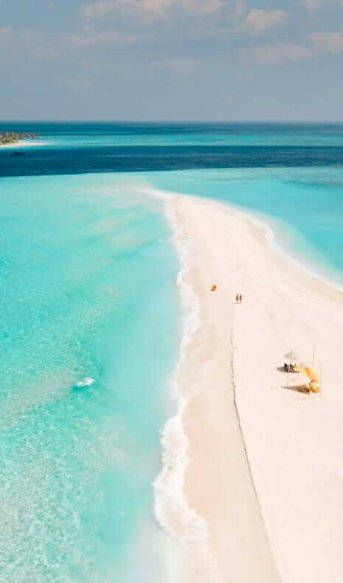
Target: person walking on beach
{"x":237,"y":298}
{"x":240,"y":298}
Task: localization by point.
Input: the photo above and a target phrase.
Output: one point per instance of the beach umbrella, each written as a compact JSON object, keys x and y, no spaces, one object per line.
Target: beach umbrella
{"x":291,"y":355}
{"x":313,"y":385}
{"x":310,"y":373}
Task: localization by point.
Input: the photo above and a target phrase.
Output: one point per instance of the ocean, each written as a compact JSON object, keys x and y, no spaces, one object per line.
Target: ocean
{"x":92,"y":320}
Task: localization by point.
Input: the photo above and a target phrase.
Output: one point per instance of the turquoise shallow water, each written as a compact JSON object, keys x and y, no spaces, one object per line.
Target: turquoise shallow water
{"x":87,"y":290}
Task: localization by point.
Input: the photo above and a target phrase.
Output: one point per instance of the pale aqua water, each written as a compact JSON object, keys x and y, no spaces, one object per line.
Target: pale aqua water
{"x":88,"y":275}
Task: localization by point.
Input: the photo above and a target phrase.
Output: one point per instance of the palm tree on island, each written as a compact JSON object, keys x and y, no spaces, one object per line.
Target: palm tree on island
{"x":10,"y":137}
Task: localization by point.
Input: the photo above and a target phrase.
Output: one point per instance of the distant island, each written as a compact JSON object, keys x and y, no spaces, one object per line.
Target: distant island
{"x":8,"y":137}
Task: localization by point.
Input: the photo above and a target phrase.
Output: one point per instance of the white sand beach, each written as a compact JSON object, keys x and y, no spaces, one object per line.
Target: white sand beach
{"x":265,"y":464}
{"x":23,"y":144}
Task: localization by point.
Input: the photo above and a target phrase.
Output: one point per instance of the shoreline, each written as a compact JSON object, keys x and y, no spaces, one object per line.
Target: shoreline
{"x":22,"y":144}
{"x":272,"y":227}
{"x":227,"y":399}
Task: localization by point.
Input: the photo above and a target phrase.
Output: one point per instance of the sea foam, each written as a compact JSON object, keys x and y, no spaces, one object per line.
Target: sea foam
{"x":172,"y":511}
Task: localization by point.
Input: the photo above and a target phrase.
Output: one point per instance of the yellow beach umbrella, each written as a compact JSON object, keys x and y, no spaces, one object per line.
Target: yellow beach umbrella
{"x":313,"y":386}
{"x":310,"y":373}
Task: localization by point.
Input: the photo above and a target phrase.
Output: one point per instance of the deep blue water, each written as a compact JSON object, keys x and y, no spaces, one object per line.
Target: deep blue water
{"x":86,"y":148}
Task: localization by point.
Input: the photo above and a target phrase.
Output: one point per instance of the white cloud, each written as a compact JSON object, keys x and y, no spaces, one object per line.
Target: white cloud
{"x":258,"y":21}
{"x":313,"y":5}
{"x":158,"y":8}
{"x":99,"y":10}
{"x":176,"y":64}
{"x":279,"y":53}
{"x":327,"y":42}
{"x":45,"y":53}
{"x":200,"y":6}
{"x":5,"y":33}
{"x":92,"y":38}
{"x":318,"y":43}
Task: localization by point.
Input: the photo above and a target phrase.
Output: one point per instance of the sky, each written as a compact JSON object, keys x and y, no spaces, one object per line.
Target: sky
{"x":172,"y":60}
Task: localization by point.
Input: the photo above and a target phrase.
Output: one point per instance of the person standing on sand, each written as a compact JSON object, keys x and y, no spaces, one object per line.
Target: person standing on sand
{"x":237,"y":298}
{"x":240,"y":298}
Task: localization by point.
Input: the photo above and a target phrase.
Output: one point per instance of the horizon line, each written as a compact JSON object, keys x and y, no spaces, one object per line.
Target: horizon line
{"x":174,"y":121}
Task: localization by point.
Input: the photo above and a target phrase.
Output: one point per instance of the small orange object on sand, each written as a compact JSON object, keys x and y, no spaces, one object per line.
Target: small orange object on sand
{"x":213,"y":288}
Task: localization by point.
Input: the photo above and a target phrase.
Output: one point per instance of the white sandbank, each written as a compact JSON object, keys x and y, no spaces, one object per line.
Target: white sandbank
{"x":264,"y":476}
{"x":22,"y":144}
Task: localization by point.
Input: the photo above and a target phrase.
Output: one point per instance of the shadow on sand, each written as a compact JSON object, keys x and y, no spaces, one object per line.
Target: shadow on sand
{"x":298,"y":389}
{"x":282,"y":369}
